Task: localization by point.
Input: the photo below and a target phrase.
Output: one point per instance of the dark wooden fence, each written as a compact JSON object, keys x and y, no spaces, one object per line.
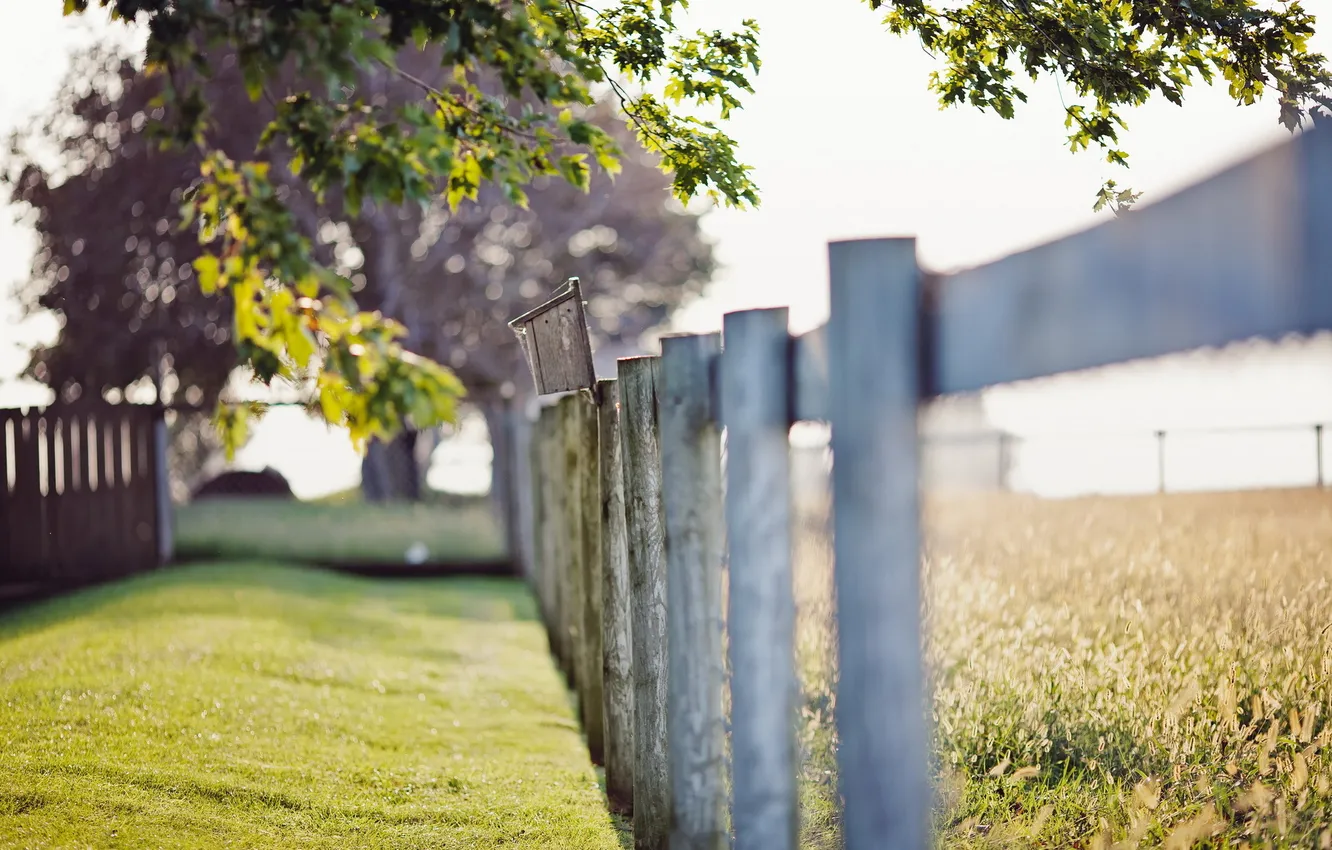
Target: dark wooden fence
{"x":82,"y":495}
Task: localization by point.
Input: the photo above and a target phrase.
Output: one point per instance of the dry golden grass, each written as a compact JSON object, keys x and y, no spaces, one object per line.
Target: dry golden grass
{"x":1111,"y":672}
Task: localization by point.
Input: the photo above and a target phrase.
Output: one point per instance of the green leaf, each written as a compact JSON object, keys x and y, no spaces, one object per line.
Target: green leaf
{"x":207,"y":269}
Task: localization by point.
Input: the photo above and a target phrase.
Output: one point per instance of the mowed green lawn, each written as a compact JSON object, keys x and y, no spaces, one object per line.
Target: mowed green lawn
{"x":336,"y":533}
{"x":256,"y":705}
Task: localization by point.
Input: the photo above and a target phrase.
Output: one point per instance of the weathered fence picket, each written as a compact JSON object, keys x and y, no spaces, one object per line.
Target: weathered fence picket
{"x":754,"y":395}
{"x":589,"y":566}
{"x":646,"y":546}
{"x":691,"y":499}
{"x":618,"y":665}
{"x":873,"y":396}
{"x":571,"y":549}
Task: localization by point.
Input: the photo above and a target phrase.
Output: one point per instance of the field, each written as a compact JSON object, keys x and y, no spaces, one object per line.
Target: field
{"x":338,"y":532}
{"x":1106,"y":673}
{"x":269,"y":706}
{"x":1112,"y":672}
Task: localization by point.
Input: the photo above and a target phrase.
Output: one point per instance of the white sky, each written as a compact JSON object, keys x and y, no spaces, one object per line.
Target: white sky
{"x":847,"y":141}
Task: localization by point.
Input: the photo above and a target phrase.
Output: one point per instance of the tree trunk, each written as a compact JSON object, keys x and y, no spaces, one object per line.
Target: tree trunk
{"x":390,"y":470}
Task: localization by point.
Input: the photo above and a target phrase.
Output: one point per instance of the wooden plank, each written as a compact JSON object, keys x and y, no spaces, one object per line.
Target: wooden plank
{"x":44,"y":542}
{"x":616,"y":634}
{"x":144,"y":489}
{"x":1243,"y":254}
{"x":1187,"y":272}
{"x":548,"y":440}
{"x":692,"y":501}
{"x":572,"y":546}
{"x":523,"y":497}
{"x":164,"y":514}
{"x":646,"y":547}
{"x":108,"y":506}
{"x":755,"y":406}
{"x":27,"y":499}
{"x":540,"y":562}
{"x":57,"y":560}
{"x":559,"y":538}
{"x":123,"y":496}
{"x":874,"y":393}
{"x":8,"y":558}
{"x":70,"y":514}
{"x":93,"y":514}
{"x":589,"y":521}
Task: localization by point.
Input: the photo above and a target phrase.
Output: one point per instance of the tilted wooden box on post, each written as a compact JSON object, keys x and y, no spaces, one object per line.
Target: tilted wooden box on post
{"x":555,"y":339}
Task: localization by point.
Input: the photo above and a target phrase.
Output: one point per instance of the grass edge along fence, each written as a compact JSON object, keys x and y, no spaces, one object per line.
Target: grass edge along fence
{"x":1185,"y":273}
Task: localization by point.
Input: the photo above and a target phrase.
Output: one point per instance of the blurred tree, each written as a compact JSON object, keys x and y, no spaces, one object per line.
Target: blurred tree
{"x":501,"y":97}
{"x":114,"y":267}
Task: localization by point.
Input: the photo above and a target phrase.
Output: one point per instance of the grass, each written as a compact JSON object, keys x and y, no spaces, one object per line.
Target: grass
{"x":258,"y":705}
{"x":337,"y":532}
{"x":1111,"y":672}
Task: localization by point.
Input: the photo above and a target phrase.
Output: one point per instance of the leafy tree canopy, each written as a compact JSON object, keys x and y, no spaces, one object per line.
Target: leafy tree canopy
{"x":522,"y":75}
{"x":1117,"y":54}
{"x":113,"y":264}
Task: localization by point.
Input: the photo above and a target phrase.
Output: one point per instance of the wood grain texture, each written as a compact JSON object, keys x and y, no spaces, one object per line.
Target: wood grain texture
{"x":559,"y":337}
{"x":646,"y":548}
{"x":616,"y":631}
{"x":692,"y":501}
{"x":589,"y":520}
{"x":572,"y":549}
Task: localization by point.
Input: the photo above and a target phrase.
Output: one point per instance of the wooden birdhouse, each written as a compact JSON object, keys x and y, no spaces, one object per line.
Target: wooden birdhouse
{"x":555,"y":339}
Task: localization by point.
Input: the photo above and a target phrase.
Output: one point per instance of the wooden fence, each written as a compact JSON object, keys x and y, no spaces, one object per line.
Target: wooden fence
{"x":632,"y":537}
{"x":987,"y":459}
{"x":82,"y":495}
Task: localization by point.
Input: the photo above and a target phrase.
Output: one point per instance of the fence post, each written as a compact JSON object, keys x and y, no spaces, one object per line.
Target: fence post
{"x":541,"y":556}
{"x":647,"y":598}
{"x":1318,"y":452}
{"x":1160,"y":462}
{"x":874,"y":374}
{"x":571,"y":547}
{"x":7,"y":556}
{"x":1005,"y":459}
{"x":517,"y":438}
{"x":553,"y":496}
{"x":26,"y":504}
{"x":166,"y":541}
{"x":589,"y":566}
{"x":755,"y":401}
{"x":691,"y":497}
{"x":617,"y":642}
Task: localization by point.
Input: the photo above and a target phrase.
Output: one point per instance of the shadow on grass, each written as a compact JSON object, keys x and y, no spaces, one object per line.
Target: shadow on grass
{"x":202,"y":588}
